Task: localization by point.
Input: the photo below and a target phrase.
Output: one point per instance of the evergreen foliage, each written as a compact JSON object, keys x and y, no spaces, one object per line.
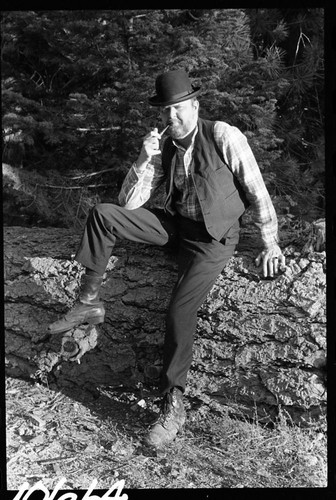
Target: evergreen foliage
{"x":299,"y":123}
{"x":75,"y":86}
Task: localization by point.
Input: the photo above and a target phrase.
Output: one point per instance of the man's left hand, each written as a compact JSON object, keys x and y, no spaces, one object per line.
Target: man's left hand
{"x":272,"y":261}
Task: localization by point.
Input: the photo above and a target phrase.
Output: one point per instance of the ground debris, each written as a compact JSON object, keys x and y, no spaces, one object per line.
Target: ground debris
{"x":51,"y":435}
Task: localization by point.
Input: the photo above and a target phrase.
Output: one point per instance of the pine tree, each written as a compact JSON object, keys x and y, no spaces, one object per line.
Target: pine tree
{"x":298,"y":34}
{"x":76,"y":84}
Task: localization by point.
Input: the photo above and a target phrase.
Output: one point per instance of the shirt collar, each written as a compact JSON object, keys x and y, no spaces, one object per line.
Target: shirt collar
{"x":192,"y":141}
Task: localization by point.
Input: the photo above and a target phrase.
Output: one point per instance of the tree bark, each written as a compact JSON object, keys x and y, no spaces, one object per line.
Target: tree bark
{"x":260,"y":345}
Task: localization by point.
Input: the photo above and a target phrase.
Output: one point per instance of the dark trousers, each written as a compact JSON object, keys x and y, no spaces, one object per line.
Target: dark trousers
{"x":201,"y":259}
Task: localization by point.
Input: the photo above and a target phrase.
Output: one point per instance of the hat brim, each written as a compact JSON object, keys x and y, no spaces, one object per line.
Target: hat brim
{"x":155,"y":100}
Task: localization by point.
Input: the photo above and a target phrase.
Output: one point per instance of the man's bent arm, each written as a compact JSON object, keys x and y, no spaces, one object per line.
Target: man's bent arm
{"x":139,"y":185}
{"x":240,"y":159}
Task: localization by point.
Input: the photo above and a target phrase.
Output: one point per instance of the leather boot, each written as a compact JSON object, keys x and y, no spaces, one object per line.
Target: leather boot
{"x":170,"y":421}
{"x":88,"y":308}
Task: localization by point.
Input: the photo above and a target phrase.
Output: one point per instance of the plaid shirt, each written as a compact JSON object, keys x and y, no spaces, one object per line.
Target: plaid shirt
{"x":185,"y":197}
{"x":138,"y":188}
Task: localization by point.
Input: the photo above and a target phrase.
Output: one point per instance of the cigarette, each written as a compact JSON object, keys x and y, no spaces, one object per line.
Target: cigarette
{"x":163,"y":131}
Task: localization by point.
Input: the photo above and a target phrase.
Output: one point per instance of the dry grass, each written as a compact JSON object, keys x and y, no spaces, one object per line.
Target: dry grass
{"x":81,"y":437}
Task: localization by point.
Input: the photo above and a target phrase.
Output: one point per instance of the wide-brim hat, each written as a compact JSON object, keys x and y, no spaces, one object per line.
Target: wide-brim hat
{"x":173,"y":87}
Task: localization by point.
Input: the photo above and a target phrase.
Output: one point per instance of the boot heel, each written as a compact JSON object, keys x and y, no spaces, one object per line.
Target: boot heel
{"x":96,"y":320}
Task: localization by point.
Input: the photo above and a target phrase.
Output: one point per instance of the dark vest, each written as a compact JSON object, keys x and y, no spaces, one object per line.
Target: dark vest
{"x":219,"y":193}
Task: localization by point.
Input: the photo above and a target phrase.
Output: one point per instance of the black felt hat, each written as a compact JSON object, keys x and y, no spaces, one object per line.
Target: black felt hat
{"x":173,"y":87}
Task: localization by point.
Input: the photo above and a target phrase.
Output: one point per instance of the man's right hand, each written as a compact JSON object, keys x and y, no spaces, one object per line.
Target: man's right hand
{"x":150,"y":147}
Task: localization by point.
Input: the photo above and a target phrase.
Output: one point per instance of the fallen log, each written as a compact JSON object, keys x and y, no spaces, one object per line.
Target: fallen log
{"x":260,"y":344}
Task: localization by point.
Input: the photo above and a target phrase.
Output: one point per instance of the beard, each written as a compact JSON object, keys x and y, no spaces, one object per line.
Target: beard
{"x":179,"y":130}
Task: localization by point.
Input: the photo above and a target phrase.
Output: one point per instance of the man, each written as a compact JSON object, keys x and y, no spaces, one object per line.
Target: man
{"x":210,"y":175}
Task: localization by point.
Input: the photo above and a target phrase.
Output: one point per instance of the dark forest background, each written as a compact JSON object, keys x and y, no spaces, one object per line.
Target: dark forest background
{"x":75,"y":86}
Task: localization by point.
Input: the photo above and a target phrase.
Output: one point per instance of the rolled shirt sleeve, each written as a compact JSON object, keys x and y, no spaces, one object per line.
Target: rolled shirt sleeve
{"x":137,"y":187}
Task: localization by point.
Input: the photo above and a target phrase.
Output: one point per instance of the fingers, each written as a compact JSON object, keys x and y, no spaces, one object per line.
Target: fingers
{"x":263,"y":258}
{"x":275,"y":263}
{"x":267,"y":266}
{"x":258,"y":260}
{"x":272,"y":262}
{"x":154,"y":133}
{"x":282,"y":262}
{"x":151,"y":143}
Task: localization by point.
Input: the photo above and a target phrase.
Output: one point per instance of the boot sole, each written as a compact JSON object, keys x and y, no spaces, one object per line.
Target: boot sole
{"x":95,"y":320}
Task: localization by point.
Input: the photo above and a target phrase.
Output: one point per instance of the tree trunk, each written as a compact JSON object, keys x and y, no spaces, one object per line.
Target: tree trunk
{"x":260,"y":344}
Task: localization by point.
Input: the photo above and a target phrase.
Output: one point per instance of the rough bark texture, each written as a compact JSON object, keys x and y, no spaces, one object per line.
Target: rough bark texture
{"x":260,"y":344}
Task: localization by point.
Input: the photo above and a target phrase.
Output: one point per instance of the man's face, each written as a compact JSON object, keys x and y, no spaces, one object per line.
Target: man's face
{"x":181,"y":118}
